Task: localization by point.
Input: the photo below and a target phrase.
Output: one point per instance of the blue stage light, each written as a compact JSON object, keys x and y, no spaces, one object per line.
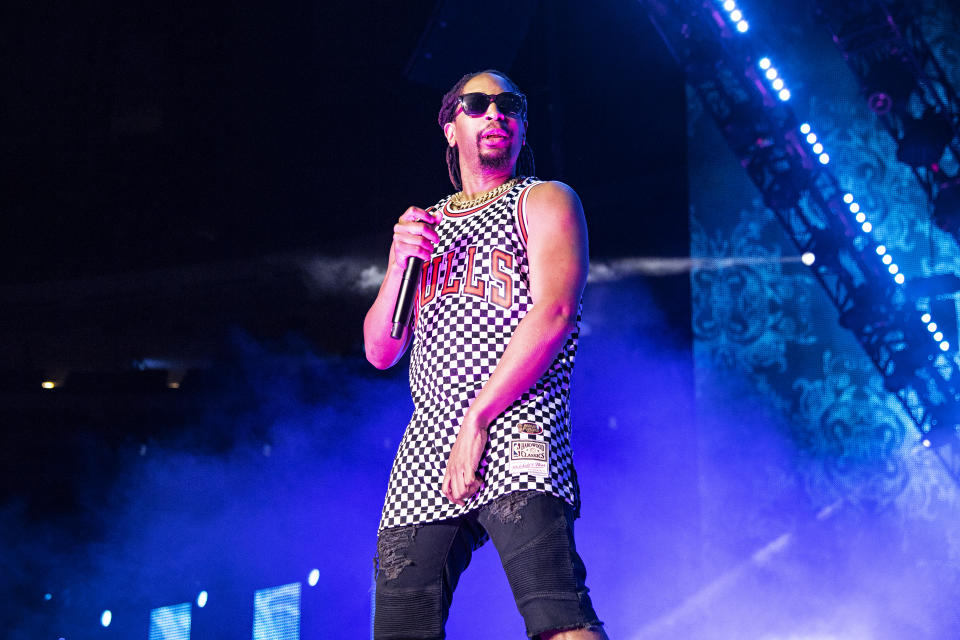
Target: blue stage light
{"x":784,"y":94}
{"x":931,"y":326}
{"x":729,"y":5}
{"x":805,"y":128}
{"x":764,"y":63}
{"x":742,"y":26}
{"x":944,"y":346}
{"x":861,"y":217}
{"x":938,"y":336}
{"x":106,"y":618}
{"x":818,"y":148}
{"x":777,"y":84}
{"x":854,"y":207}
{"x":824,"y":158}
{"x":848,"y":198}
{"x":771,"y":73}
{"x":925,"y":318}
{"x":202,"y":599}
{"x":887,"y":259}
{"x":808,"y":258}
{"x":893,"y":268}
{"x":811,"y":138}
{"x":899,"y":278}
{"x":881,"y":249}
{"x":867,"y":227}
{"x":313,"y":578}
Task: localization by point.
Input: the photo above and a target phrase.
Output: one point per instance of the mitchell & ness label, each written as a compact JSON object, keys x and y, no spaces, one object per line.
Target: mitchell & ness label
{"x":530,"y":456}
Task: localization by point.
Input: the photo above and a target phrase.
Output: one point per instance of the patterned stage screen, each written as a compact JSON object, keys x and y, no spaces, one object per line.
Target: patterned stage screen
{"x":170,"y":623}
{"x":780,"y":384}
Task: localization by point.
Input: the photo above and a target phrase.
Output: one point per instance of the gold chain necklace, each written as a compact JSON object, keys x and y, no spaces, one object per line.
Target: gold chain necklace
{"x":457,"y":203}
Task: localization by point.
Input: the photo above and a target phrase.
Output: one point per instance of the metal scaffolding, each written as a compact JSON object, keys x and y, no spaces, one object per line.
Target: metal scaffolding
{"x":763,"y":132}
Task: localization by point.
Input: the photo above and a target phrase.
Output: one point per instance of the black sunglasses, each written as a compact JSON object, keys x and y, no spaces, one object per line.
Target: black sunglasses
{"x":508,"y":103}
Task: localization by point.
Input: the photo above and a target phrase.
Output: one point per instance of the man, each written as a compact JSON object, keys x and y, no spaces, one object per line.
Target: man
{"x":487,"y":452}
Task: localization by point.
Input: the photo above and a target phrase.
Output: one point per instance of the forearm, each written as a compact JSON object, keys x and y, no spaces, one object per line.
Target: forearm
{"x":381,"y":349}
{"x":535,"y":343}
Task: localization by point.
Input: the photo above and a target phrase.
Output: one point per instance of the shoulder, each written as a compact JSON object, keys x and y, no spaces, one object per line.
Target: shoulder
{"x":552,"y":201}
{"x":552,"y":193}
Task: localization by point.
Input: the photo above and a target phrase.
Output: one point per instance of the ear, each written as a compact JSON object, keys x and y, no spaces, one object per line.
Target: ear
{"x":449,"y":131}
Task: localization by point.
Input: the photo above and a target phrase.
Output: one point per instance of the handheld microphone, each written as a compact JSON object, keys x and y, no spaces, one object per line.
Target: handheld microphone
{"x":405,"y":297}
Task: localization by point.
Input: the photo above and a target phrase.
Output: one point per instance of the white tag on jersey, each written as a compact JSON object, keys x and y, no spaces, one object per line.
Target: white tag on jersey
{"x":530,"y":456}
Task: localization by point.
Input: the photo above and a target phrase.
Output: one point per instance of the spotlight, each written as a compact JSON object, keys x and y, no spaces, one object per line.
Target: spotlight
{"x":818,"y":148}
{"x":881,"y":249}
{"x":925,"y":318}
{"x":889,"y":85}
{"x":736,"y":15}
{"x":48,"y":384}
{"x":861,"y":217}
{"x":777,"y":84}
{"x":848,"y":198}
{"x":785,"y":94}
{"x":742,"y":26}
{"x":313,"y":578}
{"x":764,"y":63}
{"x":938,"y":336}
{"x":729,"y":5}
{"x":202,"y":599}
{"x":899,"y":279}
{"x":805,"y":129}
{"x":106,"y":618}
{"x":867,"y":227}
{"x":771,"y":73}
{"x":854,"y":207}
{"x":887,"y":259}
{"x":892,"y":268}
{"x":944,"y":346}
{"x":824,"y":158}
{"x":811,"y":138}
{"x":931,"y":326}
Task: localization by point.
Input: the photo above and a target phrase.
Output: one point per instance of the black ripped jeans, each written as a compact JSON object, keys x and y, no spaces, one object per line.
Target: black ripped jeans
{"x":419,"y":567}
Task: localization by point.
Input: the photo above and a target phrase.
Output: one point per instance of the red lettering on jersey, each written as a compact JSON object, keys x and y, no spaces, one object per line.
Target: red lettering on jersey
{"x":504,"y":297}
{"x":469,"y":287}
{"x":427,"y":292}
{"x":449,"y":286}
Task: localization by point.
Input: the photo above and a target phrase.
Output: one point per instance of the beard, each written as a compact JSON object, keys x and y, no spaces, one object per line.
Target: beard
{"x":493,"y":158}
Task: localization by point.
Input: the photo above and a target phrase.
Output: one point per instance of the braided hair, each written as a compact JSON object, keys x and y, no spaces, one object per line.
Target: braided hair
{"x":448,"y":111}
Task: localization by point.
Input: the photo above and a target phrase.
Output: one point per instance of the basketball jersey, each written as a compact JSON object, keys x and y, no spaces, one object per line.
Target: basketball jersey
{"x":473,"y":292}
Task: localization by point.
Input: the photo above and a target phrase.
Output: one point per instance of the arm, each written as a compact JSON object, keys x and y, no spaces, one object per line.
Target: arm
{"x":413,"y":235}
{"x":557,"y":250}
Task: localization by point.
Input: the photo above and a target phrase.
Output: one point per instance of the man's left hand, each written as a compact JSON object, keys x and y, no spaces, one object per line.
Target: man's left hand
{"x":460,"y":482}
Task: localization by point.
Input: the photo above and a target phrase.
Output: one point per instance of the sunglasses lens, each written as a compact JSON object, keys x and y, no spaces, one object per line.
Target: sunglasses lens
{"x":474,"y":103}
{"x":509,"y":104}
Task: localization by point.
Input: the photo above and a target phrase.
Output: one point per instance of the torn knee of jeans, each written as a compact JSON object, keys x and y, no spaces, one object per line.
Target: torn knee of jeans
{"x":392,"y":550}
{"x":507,"y":508}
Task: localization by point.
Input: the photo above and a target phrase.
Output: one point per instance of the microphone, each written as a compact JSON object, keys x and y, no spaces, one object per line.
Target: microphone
{"x":405,"y":297}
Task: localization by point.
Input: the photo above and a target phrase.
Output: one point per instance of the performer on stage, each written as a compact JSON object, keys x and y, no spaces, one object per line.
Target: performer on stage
{"x":493,"y":338}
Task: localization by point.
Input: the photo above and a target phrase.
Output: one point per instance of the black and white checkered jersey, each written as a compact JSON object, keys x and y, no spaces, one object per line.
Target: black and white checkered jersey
{"x":473,"y":293}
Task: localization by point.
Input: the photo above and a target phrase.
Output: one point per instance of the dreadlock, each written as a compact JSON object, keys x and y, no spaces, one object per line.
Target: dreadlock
{"x":448,"y":111}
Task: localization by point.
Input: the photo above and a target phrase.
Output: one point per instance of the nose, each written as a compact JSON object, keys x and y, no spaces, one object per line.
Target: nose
{"x":493,"y":113}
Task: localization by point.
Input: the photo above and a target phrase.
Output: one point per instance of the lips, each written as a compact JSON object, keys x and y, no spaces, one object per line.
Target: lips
{"x":496,"y":133}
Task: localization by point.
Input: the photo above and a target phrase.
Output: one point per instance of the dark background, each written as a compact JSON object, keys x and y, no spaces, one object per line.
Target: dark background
{"x":167,"y":170}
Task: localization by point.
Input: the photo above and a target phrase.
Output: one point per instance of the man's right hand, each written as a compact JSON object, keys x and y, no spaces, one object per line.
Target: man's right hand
{"x":414,"y":235}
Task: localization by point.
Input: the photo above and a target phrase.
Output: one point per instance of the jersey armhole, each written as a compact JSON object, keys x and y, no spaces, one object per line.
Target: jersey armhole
{"x":520,"y":212}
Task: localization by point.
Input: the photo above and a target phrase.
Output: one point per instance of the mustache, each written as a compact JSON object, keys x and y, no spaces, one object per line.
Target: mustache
{"x":494,"y":129}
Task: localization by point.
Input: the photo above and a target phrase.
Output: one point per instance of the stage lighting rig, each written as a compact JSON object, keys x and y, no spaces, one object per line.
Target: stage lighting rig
{"x":907,"y":89}
{"x":783,"y":158}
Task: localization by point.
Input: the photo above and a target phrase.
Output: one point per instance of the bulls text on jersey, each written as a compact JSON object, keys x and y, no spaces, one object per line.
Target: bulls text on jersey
{"x":451,"y":274}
